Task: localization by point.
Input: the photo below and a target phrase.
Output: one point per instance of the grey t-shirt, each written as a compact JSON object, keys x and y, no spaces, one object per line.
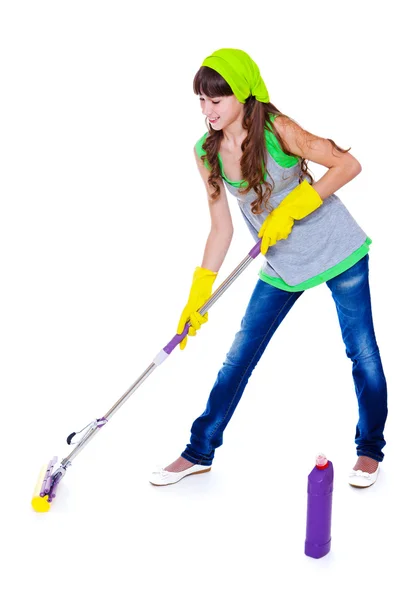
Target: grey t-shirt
{"x":316,"y":243}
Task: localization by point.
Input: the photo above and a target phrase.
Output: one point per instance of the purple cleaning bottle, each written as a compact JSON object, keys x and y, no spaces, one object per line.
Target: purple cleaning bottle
{"x":319,"y":508}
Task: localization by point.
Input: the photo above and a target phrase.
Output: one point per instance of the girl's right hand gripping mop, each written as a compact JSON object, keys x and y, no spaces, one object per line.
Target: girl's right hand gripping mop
{"x":45,"y":490}
{"x":319,"y":508}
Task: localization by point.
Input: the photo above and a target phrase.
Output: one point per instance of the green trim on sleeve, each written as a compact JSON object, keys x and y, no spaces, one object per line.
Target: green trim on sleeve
{"x":322,"y":277}
{"x":275,"y":150}
{"x":199,"y":149}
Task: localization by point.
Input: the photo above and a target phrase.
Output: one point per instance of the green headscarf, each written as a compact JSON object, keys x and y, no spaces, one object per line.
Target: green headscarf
{"x":240,"y":72}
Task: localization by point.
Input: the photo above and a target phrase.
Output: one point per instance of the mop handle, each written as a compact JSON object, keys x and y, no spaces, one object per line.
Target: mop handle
{"x":254,"y":252}
{"x":161,"y":356}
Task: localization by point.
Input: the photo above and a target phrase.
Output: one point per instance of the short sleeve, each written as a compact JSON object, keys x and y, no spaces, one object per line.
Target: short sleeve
{"x":275,"y":150}
{"x":200,"y":151}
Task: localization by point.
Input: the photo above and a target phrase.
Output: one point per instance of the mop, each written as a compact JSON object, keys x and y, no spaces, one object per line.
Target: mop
{"x":52,"y":473}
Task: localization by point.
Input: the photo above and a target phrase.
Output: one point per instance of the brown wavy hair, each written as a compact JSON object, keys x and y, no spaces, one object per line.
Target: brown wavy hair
{"x":256,"y":119}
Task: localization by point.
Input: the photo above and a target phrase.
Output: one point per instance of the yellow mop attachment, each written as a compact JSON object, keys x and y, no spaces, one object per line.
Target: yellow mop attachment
{"x":44,"y":489}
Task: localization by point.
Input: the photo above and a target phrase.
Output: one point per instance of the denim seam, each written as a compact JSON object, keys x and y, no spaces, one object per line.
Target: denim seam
{"x":197,"y":461}
{"x":370,"y":455}
{"x":247,"y":367}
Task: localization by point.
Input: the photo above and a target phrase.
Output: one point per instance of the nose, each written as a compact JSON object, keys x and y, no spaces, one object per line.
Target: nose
{"x":208,"y":109}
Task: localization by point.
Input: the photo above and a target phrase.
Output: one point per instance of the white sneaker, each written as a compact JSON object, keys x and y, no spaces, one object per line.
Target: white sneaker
{"x":362,"y":479}
{"x":162,"y":477}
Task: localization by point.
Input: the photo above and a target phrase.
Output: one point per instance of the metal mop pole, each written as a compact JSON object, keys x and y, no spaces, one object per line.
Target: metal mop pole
{"x":161,"y":356}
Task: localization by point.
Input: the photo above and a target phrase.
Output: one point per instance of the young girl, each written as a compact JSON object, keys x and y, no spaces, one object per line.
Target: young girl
{"x":308,"y":237}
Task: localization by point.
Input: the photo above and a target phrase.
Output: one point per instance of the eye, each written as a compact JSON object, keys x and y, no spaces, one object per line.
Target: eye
{"x":214,"y":102}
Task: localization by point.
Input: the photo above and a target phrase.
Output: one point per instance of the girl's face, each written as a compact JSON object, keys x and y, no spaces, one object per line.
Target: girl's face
{"x":221,"y":111}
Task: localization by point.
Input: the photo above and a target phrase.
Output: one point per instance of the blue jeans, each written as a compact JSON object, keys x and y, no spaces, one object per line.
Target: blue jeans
{"x":267,"y":308}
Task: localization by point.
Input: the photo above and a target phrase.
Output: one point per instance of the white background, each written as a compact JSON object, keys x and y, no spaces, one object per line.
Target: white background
{"x":103,"y":220}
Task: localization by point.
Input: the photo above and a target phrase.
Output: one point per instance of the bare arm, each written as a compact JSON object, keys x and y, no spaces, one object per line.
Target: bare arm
{"x":221,"y":233}
{"x":342,"y":167}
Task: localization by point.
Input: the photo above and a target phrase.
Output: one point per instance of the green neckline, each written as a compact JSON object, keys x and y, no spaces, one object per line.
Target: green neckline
{"x":273,"y":148}
{"x":224,"y":174}
{"x":236,"y":183}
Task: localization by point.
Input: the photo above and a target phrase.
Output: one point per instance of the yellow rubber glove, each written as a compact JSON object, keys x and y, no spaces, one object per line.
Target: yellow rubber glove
{"x":200,"y":292}
{"x":301,"y":202}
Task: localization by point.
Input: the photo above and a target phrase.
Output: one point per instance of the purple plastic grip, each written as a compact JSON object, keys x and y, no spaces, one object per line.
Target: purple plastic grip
{"x":176,"y":340}
{"x":46,"y":484}
{"x":53,"y":489}
{"x":256,"y":250}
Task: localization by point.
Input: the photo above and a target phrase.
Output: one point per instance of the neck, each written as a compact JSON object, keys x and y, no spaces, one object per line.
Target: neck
{"x":234,"y":134}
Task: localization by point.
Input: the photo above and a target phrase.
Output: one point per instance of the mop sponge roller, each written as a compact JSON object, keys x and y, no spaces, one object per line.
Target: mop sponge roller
{"x":40,"y":503}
